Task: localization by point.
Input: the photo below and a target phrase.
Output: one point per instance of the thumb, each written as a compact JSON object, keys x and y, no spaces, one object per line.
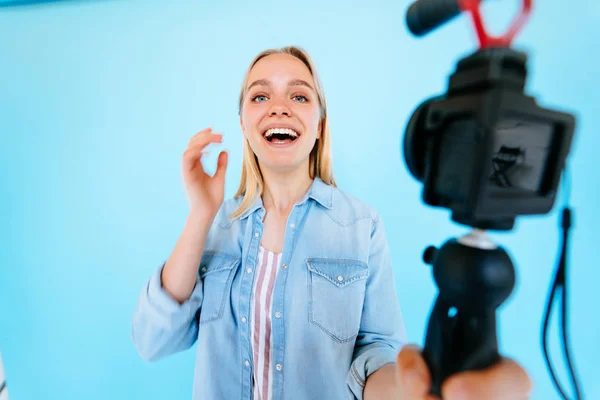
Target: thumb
{"x":221,"y":165}
{"x":413,"y":375}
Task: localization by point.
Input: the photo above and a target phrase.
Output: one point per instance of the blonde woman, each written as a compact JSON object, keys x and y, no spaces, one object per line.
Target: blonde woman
{"x":287,"y":288}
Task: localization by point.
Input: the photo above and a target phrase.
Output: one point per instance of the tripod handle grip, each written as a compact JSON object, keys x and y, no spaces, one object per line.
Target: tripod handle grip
{"x":458,"y":342}
{"x":473,"y":282}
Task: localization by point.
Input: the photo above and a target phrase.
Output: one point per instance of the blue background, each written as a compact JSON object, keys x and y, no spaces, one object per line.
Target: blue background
{"x":99,"y":98}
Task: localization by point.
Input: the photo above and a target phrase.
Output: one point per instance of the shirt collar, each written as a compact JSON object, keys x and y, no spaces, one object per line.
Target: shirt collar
{"x":319,"y":191}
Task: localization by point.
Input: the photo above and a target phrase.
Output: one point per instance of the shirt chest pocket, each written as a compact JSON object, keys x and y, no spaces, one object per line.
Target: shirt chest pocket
{"x":216,"y":272}
{"x":336,"y":292}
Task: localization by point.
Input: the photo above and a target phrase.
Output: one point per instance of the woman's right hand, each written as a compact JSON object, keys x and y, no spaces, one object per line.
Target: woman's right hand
{"x":206,"y":193}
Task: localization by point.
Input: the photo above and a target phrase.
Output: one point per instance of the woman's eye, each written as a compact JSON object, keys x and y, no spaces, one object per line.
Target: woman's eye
{"x":260,"y":98}
{"x":300,"y":98}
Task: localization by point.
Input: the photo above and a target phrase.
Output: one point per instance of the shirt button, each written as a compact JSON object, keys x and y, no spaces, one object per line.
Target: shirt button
{"x":244,"y":319}
{"x":203,"y":269}
{"x":277,"y":314}
{"x":249,"y":270}
{"x":278,"y":366}
{"x":284,"y":266}
{"x":340,"y":278}
{"x":292,"y":225}
{"x":256,"y":234}
{"x":247,"y":363}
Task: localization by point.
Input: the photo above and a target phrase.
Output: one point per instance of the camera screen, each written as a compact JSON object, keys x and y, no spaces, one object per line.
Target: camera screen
{"x":520,"y":151}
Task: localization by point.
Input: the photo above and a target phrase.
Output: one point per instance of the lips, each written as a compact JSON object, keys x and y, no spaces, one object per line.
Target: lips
{"x":281,"y":134}
{"x":280,"y":137}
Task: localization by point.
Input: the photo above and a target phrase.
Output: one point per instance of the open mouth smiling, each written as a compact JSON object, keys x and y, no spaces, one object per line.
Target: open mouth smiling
{"x":281,"y":135}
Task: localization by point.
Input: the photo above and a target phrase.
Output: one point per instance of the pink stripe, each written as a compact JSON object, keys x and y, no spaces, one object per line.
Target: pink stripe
{"x":268,"y":327}
{"x":257,"y":313}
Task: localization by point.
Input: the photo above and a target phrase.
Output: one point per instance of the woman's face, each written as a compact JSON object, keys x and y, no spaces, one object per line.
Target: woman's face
{"x":281,"y":113}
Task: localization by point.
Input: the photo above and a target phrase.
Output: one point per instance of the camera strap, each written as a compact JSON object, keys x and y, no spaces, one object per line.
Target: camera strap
{"x":560,"y":283}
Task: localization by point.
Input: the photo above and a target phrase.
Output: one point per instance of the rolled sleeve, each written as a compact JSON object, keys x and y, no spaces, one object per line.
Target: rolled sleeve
{"x":372,"y":358}
{"x":161,"y":326}
{"x":167,"y":308}
{"x":382,"y":333}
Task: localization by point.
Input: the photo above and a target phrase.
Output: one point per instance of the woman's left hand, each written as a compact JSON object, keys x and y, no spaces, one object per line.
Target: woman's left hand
{"x":503,"y":381}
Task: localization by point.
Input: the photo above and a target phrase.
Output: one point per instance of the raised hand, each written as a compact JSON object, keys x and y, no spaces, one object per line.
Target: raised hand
{"x":205,"y":193}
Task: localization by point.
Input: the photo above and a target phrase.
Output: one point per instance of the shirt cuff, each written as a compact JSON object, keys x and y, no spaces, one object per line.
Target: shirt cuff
{"x":365,"y":364}
{"x":166,"y":306}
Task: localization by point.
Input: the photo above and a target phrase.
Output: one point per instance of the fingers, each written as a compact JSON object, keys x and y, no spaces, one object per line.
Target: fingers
{"x":196,"y":147}
{"x":505,"y":380}
{"x":191,"y":156}
{"x":206,"y":137}
{"x":221,"y":165}
{"x":414,"y":378}
{"x":201,"y":133}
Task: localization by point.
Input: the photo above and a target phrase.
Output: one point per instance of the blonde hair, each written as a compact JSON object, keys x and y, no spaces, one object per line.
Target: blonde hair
{"x":251,"y":181}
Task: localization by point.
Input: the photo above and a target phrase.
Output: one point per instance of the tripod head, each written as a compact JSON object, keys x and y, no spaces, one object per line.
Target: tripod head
{"x":489,"y":153}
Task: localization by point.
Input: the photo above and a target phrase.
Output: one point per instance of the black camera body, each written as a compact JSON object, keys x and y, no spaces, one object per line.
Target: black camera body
{"x":486,"y":150}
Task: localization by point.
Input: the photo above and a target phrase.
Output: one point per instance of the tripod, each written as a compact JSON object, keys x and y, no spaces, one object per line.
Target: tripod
{"x":474,"y":277}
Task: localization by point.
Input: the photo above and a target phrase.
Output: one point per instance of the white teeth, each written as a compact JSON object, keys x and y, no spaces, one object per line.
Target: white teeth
{"x":285,"y":131}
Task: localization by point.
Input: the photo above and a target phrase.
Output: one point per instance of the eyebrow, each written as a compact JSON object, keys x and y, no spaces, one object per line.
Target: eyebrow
{"x":293,"y":82}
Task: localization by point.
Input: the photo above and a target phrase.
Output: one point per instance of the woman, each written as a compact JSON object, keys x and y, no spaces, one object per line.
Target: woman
{"x":287,"y":288}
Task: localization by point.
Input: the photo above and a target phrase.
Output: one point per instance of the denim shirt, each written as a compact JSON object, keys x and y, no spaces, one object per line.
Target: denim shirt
{"x":336,"y":317}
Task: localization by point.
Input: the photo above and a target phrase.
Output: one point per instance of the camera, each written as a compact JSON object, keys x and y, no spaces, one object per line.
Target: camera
{"x":485,"y":149}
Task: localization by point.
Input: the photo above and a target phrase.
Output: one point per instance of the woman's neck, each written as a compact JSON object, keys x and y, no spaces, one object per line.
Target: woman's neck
{"x":284,"y":190}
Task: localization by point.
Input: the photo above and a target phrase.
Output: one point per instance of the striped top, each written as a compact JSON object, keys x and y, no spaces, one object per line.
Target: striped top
{"x":262,"y":300}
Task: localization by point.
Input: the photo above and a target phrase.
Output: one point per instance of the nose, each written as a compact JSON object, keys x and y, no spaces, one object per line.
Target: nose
{"x":280,"y":108}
